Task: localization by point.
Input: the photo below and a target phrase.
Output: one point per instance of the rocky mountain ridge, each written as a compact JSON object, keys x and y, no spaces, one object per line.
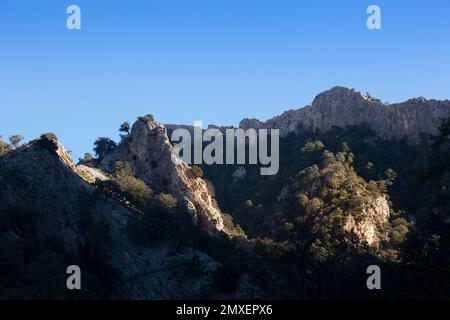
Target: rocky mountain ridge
{"x":42,"y":176}
{"x":342,"y":107}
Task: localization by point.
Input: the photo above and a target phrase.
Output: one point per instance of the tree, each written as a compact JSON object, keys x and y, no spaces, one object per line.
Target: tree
{"x":88,"y":157}
{"x":15,"y":140}
{"x":49,"y":136}
{"x":428,"y":247}
{"x":317,"y":221}
{"x":248,"y":204}
{"x":4,"y":147}
{"x":132,"y":188}
{"x":103,"y":146}
{"x":125,"y":127}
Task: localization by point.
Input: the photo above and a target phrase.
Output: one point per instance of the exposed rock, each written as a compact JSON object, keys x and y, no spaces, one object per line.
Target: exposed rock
{"x":345,"y":107}
{"x":42,"y":176}
{"x":335,"y":193}
{"x":149,"y":153}
{"x":376,"y":217}
{"x":90,"y":174}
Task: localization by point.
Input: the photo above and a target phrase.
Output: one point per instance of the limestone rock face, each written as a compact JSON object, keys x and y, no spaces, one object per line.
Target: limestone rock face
{"x":342,"y":106}
{"x":335,"y":193}
{"x":42,"y":176}
{"x":149,"y":153}
{"x":376,"y":217}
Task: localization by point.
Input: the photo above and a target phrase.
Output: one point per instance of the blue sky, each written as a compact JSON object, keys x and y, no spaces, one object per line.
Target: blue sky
{"x":212,"y":60}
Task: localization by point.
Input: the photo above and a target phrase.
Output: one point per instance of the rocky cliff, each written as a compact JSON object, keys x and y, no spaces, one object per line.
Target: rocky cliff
{"x":342,"y":107}
{"x":41,"y":177}
{"x":148,"y":151}
{"x":334,"y":195}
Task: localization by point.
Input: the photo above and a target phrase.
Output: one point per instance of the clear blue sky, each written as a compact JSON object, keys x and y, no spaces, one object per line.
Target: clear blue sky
{"x":212,"y":60}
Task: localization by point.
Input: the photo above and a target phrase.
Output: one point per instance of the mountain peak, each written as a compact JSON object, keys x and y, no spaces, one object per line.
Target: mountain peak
{"x":342,"y":106}
{"x":344,"y":95}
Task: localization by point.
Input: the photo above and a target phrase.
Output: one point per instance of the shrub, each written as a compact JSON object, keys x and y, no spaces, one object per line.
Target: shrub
{"x":248,"y":204}
{"x":125,"y":127}
{"x":167,"y":200}
{"x":232,"y":228}
{"x":210,"y":188}
{"x":49,"y":136}
{"x":197,"y":172}
{"x":103,"y":146}
{"x":150,"y":117}
{"x":15,"y":140}
{"x":88,"y":157}
{"x":147,"y":118}
{"x":154,"y":225}
{"x":132,"y":187}
{"x":4,"y":148}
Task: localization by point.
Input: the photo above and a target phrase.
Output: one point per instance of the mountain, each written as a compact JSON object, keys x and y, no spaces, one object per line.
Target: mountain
{"x":350,"y":192}
{"x":148,"y":151}
{"x":54,"y":213}
{"x":342,"y":107}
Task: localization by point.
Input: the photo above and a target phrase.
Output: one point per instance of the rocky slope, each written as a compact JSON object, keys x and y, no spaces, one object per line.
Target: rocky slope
{"x":337,"y":195}
{"x":148,"y":151}
{"x":342,"y":107}
{"x":42,"y":177}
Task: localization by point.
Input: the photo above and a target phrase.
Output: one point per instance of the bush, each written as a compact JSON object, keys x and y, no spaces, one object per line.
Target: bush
{"x":4,"y":148}
{"x":147,"y":118}
{"x":248,"y":204}
{"x":49,"y":136}
{"x":125,"y":127}
{"x":103,"y":146}
{"x":132,"y":187}
{"x":167,"y":200}
{"x":154,"y":225}
{"x":15,"y":140}
{"x":232,"y":228}
{"x":197,"y":172}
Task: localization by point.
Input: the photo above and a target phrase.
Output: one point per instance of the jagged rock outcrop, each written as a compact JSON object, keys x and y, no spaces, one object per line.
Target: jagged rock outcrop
{"x":42,"y":177}
{"x":148,"y":151}
{"x":342,"y":107}
{"x":336,"y":197}
{"x":372,"y":228}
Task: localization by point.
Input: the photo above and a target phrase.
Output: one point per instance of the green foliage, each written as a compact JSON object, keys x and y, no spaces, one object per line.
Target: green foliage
{"x":167,"y":200}
{"x":132,"y":188}
{"x":248,"y":204}
{"x":88,"y":157}
{"x":313,"y":146}
{"x":156,"y":224}
{"x":232,"y":229}
{"x":4,"y":147}
{"x":49,"y":136}
{"x":427,"y":249}
{"x":147,"y":118}
{"x":103,"y":146}
{"x":15,"y":140}
{"x":196,"y":172}
{"x":125,"y":127}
